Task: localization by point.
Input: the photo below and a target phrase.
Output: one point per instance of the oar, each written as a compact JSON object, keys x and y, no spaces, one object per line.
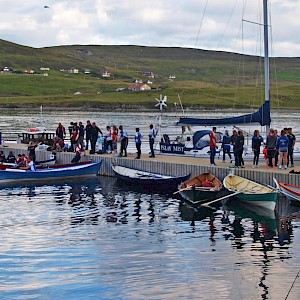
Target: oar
{"x":222,"y":198}
{"x":187,"y":188}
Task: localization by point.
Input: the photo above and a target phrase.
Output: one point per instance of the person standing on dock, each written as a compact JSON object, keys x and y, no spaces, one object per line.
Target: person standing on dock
{"x":88,"y":134}
{"x":114,"y":137}
{"x":61,"y":131}
{"x":138,"y":142}
{"x":108,"y":140}
{"x":213,"y":146}
{"x":241,"y":148}
{"x":152,"y":135}
{"x":80,"y":134}
{"x":257,"y":140}
{"x":94,"y":137}
{"x":282,"y":145}
{"x":226,"y":146}
{"x":123,"y":141}
{"x":235,"y":141}
{"x":292,"y":141}
{"x":271,"y":147}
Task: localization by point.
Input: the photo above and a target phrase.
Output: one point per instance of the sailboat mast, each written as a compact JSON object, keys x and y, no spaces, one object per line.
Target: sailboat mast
{"x":266,"y":59}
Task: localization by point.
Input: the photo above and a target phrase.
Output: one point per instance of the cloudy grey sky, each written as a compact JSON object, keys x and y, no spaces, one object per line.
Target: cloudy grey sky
{"x":204,"y":24}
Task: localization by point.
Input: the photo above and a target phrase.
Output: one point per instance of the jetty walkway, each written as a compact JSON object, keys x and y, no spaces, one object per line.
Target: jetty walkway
{"x":169,"y":165}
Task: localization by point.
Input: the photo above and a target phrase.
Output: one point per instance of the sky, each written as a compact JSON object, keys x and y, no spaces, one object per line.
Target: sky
{"x":203,"y":24}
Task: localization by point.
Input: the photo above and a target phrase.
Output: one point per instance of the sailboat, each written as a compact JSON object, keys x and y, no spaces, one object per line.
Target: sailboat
{"x":198,"y":145}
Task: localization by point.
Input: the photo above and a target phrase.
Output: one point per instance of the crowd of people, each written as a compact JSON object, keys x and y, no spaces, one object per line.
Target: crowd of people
{"x":278,"y":149}
{"x":86,"y":137}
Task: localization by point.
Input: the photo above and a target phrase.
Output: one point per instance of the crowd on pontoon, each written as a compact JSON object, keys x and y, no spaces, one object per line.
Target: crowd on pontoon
{"x":278,"y":148}
{"x":82,"y":137}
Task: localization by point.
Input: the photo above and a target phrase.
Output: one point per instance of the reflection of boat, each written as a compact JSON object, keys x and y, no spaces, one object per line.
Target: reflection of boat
{"x":68,"y":170}
{"x":190,"y":213}
{"x":153,"y":181}
{"x":250,"y":191}
{"x":290,"y":190}
{"x":261,"y":215}
{"x":201,"y":188}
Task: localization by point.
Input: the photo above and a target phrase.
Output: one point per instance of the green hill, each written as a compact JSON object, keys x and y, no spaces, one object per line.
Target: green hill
{"x":203,"y":79}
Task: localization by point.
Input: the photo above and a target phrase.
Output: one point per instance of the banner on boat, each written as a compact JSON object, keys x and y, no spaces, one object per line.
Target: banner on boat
{"x":171,"y":148}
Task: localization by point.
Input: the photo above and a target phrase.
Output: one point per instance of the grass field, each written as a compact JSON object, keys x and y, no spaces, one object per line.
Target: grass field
{"x":204,"y":79}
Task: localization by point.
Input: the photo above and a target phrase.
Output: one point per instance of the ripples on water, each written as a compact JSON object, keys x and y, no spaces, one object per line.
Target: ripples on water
{"x":92,"y":239}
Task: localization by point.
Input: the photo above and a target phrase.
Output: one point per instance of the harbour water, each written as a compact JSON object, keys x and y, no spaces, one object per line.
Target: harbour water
{"x":96,"y":239}
{"x":13,"y":121}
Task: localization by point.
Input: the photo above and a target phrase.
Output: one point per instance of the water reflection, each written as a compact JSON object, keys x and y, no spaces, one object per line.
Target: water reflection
{"x":122,"y":242}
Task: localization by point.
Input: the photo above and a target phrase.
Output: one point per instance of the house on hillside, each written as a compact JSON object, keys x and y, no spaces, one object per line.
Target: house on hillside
{"x":73,"y":71}
{"x":148,"y":74}
{"x":6,"y":69}
{"x":137,"y":87}
{"x":44,"y":69}
{"x":105,"y":74}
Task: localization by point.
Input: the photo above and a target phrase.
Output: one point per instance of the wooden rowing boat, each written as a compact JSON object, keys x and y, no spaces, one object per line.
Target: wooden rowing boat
{"x":201,"y":188}
{"x":251,"y":192}
{"x":290,"y":190}
{"x":148,"y":180}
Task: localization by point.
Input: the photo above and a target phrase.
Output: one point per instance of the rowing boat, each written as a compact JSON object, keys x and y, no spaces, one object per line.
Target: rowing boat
{"x":68,"y":170}
{"x":201,"y":188}
{"x":251,"y":192}
{"x":290,"y":190}
{"x":149,"y":180}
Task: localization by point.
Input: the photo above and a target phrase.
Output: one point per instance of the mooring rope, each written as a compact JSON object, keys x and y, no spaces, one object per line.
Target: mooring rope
{"x":292,"y":285}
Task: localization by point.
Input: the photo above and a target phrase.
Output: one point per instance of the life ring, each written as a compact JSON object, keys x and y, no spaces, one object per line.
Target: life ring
{"x":32,"y":130}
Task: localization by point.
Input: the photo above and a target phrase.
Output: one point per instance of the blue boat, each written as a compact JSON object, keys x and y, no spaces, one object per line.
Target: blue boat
{"x":68,"y":170}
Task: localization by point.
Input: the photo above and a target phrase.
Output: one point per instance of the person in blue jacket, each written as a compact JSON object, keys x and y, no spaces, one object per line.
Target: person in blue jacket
{"x":282,"y":146}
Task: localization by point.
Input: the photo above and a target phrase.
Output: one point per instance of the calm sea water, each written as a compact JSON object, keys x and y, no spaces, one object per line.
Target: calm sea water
{"x":95,"y":239}
{"x":13,"y":121}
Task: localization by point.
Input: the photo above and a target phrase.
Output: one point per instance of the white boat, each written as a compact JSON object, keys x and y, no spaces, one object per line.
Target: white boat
{"x":38,"y":135}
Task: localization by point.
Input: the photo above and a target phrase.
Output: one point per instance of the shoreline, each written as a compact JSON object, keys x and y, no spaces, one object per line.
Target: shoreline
{"x":140,"y":109}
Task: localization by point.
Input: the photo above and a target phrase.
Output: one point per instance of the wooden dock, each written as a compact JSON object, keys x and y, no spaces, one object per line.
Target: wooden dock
{"x":170,"y":165}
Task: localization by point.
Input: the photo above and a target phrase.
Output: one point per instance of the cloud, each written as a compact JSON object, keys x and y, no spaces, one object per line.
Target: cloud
{"x":151,"y":23}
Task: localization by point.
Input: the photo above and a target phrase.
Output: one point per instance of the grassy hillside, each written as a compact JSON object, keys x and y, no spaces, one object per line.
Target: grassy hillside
{"x":204,"y":79}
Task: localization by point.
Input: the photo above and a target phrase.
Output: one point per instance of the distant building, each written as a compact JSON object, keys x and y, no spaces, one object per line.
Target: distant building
{"x":139,"y":87}
{"x":105,"y":74}
{"x":86,"y":71}
{"x":172,"y":77}
{"x":148,"y":74}
{"x":30,"y":72}
{"x":73,"y":71}
{"x":44,"y":69}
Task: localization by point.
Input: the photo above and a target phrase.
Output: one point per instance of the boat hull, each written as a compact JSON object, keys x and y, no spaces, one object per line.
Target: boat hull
{"x":267,"y":200}
{"x":291,"y":191}
{"x":194,"y":190}
{"x":251,"y":192}
{"x":87,"y":169}
{"x":147,"y":180}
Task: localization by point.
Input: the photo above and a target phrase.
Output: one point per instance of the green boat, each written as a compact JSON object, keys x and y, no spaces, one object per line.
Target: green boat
{"x":201,"y":188}
{"x":251,"y":192}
